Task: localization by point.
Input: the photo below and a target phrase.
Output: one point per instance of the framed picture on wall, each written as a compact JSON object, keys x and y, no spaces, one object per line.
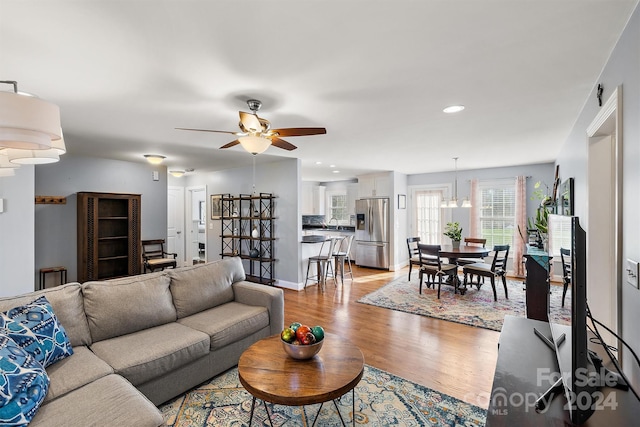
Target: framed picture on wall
{"x":402,"y":201}
{"x":216,"y":206}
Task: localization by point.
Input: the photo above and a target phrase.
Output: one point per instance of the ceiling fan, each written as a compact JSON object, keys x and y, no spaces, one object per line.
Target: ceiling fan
{"x":256,"y":134}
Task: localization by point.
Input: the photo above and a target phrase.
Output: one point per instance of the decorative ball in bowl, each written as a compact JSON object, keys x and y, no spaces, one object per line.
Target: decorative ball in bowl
{"x":302,"y":352}
{"x":302,"y":342}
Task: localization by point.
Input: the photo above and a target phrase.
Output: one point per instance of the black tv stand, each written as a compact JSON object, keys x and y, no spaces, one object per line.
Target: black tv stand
{"x":525,"y":374}
{"x":612,"y":379}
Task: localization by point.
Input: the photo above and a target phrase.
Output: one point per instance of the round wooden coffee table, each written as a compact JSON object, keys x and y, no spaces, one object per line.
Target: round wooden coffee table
{"x":269,"y":374}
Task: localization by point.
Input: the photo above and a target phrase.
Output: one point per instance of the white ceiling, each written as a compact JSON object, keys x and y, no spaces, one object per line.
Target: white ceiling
{"x":376,"y":74}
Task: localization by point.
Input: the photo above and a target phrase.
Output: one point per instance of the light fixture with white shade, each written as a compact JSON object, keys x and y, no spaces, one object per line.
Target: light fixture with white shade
{"x":453,"y":203}
{"x":27,"y":122}
{"x":154,"y":159}
{"x":254,"y":144}
{"x":33,"y":157}
{"x":177,"y":173}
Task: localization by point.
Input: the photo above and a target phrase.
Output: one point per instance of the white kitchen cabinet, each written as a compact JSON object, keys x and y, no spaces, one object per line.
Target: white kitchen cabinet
{"x":312,"y":199}
{"x":374,"y":185}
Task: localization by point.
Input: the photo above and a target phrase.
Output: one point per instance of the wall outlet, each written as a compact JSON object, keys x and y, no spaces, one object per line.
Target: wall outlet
{"x":632,"y":271}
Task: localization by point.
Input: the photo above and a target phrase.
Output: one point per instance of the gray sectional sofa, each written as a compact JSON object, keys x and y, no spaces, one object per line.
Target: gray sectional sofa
{"x":141,"y":340}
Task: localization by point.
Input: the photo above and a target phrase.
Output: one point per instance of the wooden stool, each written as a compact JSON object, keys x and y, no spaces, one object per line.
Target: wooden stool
{"x":46,"y":270}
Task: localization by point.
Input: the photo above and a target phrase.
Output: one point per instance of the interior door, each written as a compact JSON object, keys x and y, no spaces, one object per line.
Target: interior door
{"x":175,"y":222}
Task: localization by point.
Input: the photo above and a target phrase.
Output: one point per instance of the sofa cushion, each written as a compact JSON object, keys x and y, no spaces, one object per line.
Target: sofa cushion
{"x":35,"y":327}
{"x":122,"y":306}
{"x":107,"y":402}
{"x":23,"y":384}
{"x":75,"y":371}
{"x":68,"y":305}
{"x":147,"y":354}
{"x":228,"y":323}
{"x":202,"y":286}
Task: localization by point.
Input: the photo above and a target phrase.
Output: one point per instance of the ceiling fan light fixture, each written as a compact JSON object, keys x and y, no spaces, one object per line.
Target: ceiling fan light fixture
{"x":254,"y":144}
{"x":453,"y":109}
{"x":154,"y":159}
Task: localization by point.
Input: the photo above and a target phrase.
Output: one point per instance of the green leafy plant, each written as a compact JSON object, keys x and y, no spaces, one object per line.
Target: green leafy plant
{"x":541,"y":220}
{"x":453,"y":230}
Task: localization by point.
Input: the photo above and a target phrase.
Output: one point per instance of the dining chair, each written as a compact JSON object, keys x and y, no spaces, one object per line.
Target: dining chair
{"x":565,"y":256}
{"x":323,"y":263}
{"x":342,"y":253}
{"x":497,"y":268}
{"x":431,"y":264}
{"x":154,"y":256}
{"x":414,"y":256}
{"x":472,"y":241}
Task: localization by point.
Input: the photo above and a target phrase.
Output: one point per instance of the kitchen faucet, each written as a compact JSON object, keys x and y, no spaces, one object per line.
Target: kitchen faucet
{"x":333,"y":218}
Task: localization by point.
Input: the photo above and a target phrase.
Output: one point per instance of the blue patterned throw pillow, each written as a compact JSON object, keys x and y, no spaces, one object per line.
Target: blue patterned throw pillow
{"x":23,"y":384}
{"x":35,"y":328}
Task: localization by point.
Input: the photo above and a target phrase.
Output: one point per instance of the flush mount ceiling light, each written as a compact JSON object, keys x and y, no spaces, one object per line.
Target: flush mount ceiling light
{"x":453,"y":203}
{"x":254,"y":144}
{"x":177,"y":173}
{"x":27,"y":122}
{"x":453,"y":109}
{"x":154,"y":159}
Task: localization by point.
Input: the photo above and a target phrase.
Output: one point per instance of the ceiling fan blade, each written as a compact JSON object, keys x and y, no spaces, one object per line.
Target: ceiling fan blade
{"x":251,"y":122}
{"x":299,"y":131}
{"x":230,"y":144}
{"x":281,"y":143}
{"x":209,"y":130}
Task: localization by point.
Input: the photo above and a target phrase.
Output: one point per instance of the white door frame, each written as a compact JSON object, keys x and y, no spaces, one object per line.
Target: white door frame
{"x":189,"y":250}
{"x":175,"y":223}
{"x":607,"y":124}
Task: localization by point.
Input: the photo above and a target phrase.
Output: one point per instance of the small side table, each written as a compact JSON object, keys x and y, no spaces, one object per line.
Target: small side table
{"x":47,"y":270}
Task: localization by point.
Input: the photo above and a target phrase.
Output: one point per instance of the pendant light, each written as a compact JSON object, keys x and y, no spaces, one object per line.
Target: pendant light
{"x":453,"y":203}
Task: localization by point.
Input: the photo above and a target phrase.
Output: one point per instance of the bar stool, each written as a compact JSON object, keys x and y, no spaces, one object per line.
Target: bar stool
{"x":323,"y":262}
{"x":47,"y":270}
{"x":343,"y":253}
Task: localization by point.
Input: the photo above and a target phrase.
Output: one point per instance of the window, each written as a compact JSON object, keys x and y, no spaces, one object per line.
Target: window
{"x":427,"y":214}
{"x":497,"y":211}
{"x":338,"y":208}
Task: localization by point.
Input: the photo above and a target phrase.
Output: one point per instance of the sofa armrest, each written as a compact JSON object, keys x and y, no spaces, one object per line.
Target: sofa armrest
{"x":267,"y":296}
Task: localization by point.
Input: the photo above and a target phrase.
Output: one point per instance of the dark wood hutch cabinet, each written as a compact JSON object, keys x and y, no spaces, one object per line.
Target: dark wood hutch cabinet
{"x":108,"y":235}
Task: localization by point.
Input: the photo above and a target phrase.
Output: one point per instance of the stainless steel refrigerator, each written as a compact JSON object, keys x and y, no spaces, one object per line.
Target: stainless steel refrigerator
{"x":372,"y":232}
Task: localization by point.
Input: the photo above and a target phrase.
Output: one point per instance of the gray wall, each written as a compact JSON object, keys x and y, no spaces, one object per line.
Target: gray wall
{"x":16,"y":232}
{"x":622,"y":69}
{"x":282,"y":179}
{"x":55,"y":225}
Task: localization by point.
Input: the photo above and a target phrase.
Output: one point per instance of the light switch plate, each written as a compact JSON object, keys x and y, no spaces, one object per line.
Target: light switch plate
{"x":156,"y":176}
{"x":1,"y":205}
{"x":632,"y":273}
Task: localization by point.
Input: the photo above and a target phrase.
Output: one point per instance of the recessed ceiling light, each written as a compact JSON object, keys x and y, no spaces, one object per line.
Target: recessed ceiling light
{"x":332,"y":166}
{"x":454,"y":109}
{"x":335,"y":171}
{"x":318,"y":163}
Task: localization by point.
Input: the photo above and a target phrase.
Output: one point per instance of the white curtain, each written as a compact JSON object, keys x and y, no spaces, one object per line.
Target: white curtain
{"x":474,"y":217}
{"x":521,"y":225}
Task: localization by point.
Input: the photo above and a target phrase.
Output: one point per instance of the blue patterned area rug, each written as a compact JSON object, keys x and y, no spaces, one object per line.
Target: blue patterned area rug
{"x":382,"y":399}
{"x":475,"y":308}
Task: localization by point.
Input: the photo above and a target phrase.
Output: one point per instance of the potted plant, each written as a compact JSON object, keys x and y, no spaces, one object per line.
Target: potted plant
{"x":453,"y":231}
{"x":541,"y":220}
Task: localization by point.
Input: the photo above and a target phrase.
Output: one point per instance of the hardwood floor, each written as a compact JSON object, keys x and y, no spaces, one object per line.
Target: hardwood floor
{"x":452,"y":358}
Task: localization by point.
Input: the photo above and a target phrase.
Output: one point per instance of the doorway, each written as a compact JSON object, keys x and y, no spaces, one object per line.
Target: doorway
{"x":604,"y":215}
{"x":196,"y":207}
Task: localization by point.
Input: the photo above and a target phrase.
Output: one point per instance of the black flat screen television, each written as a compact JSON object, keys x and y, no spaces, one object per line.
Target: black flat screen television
{"x":579,"y":374}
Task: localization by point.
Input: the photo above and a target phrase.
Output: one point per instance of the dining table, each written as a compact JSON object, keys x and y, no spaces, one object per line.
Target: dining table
{"x":462,"y":251}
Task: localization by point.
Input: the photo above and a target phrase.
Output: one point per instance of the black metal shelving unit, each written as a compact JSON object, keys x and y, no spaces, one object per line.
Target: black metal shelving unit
{"x":248,"y":232}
